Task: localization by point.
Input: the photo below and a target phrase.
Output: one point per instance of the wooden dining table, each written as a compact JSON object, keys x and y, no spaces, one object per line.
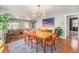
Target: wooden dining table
{"x":43,"y":35}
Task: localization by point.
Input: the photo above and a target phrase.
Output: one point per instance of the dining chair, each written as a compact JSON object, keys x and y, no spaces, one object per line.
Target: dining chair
{"x":51,"y":42}
{"x":26,"y":34}
{"x":9,"y":37}
{"x":35,"y":40}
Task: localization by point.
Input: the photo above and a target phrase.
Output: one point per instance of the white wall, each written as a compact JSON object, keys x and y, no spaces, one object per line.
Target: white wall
{"x":60,"y":21}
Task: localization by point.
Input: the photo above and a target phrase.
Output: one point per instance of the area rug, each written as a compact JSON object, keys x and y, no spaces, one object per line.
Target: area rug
{"x":20,"y":47}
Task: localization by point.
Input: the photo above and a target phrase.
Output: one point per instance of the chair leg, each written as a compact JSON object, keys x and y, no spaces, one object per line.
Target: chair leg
{"x":36,"y":47}
{"x":51,"y":49}
{"x":31,"y":45}
{"x":25,"y":40}
{"x":41,"y":45}
{"x":44,"y":49}
{"x":28,"y":42}
{"x":47,"y":45}
{"x":54,"y":47}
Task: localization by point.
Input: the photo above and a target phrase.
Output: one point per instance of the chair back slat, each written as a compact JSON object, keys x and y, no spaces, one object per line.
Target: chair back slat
{"x":54,"y":35}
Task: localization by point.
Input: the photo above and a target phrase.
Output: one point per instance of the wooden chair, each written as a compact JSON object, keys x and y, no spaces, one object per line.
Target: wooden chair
{"x":35,"y":40}
{"x":26,"y":34}
{"x":8,"y":37}
{"x":51,"y":41}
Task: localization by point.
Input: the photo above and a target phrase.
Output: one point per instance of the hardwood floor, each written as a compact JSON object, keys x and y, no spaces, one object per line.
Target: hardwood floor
{"x":67,"y":45}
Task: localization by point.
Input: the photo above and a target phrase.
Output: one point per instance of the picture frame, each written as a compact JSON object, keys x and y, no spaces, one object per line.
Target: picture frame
{"x":48,"y":22}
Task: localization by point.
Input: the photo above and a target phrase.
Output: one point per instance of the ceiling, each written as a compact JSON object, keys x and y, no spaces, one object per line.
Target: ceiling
{"x":27,"y":10}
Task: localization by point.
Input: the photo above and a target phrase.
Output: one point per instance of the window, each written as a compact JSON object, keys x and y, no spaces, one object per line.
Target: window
{"x":75,"y":23}
{"x":13,"y":25}
{"x":26,"y":25}
{"x":9,"y":25}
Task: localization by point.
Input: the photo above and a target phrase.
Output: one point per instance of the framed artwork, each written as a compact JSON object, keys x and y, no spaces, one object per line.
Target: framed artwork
{"x":48,"y":22}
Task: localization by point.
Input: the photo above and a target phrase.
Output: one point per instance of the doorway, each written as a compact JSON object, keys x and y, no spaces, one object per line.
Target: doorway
{"x":72,"y":26}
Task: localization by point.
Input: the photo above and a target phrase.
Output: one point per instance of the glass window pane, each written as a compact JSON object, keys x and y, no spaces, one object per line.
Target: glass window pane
{"x":75,"y":21}
{"x":75,"y":25}
{"x":26,"y":25}
{"x":15,"y":25}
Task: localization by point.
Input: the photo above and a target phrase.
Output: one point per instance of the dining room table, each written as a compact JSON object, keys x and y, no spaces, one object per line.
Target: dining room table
{"x":43,"y":35}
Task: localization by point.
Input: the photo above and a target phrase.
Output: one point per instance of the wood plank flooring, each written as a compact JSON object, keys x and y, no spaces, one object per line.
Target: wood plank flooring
{"x":69,"y":45}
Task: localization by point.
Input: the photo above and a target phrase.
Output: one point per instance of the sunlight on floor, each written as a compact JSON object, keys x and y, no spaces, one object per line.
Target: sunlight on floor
{"x":74,"y":44}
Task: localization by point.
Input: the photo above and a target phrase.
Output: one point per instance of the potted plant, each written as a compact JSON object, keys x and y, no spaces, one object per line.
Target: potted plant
{"x":59,"y":31}
{"x":3,"y":25}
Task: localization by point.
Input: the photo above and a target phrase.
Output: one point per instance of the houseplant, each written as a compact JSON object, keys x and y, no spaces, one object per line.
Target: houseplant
{"x":3,"y":26}
{"x":59,"y":31}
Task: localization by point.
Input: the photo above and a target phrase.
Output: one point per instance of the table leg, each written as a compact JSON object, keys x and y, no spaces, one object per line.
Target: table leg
{"x":44,"y":45}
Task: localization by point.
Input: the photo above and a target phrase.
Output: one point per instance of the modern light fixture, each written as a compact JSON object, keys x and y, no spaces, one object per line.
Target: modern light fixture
{"x":38,"y":12}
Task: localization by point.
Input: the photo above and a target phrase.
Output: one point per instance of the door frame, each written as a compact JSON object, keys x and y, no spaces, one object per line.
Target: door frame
{"x":67,"y":23}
